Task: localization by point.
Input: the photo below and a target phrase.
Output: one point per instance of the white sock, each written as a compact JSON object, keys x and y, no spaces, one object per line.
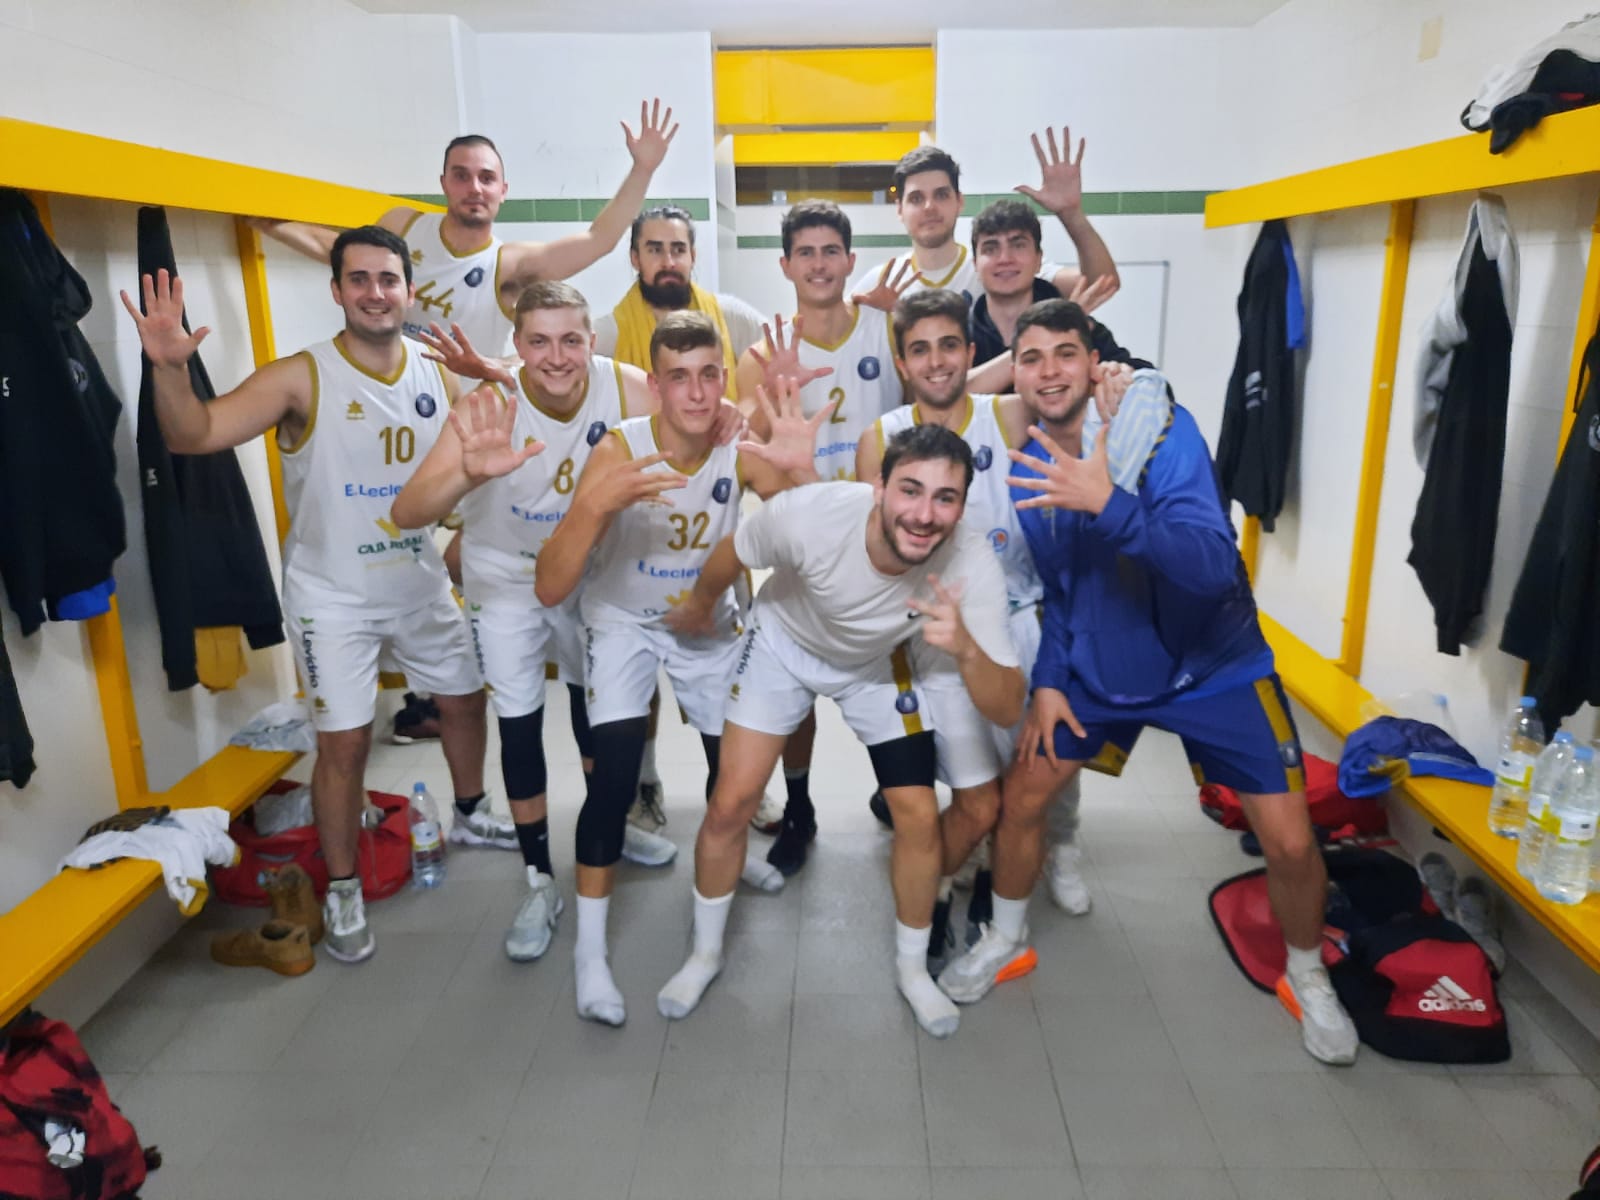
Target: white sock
{"x":759,"y":873}
{"x":598,"y":997}
{"x":1303,"y":962}
{"x":592,"y":912}
{"x":647,"y":764}
{"x":683,"y":990}
{"x":947,"y":885}
{"x":1010,"y":917}
{"x":934,"y":1011}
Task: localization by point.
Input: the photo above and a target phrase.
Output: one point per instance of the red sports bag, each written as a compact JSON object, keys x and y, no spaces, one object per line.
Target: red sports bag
{"x":61,"y":1138}
{"x":1338,"y":815}
{"x":384,"y":854}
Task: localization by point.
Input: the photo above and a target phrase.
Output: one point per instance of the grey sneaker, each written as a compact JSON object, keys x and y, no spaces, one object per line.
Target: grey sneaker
{"x":646,"y":812}
{"x":529,"y":935}
{"x":1439,"y":877}
{"x":481,"y":827}
{"x":1475,"y":914}
{"x":645,"y":848}
{"x":349,"y":938}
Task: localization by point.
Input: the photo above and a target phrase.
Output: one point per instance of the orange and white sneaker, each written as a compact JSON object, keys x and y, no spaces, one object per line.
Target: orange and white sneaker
{"x":993,"y":958}
{"x":1326,"y":1030}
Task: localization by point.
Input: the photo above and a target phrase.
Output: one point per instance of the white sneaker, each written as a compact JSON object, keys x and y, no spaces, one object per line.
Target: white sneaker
{"x":349,"y":938}
{"x":993,"y":959}
{"x":769,"y":817}
{"x":645,"y":848}
{"x":481,"y":827}
{"x":529,"y":935}
{"x":646,"y":812}
{"x":1063,"y":872}
{"x":1325,"y":1028}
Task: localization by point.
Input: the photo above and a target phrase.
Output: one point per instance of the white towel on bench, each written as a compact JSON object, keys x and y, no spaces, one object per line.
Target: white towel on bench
{"x":182,"y":842}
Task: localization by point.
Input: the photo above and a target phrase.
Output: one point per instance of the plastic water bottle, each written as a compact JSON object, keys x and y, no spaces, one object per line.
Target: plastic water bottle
{"x":1564,"y":867}
{"x":1552,"y":774}
{"x":1519,"y":747}
{"x":427,"y":841}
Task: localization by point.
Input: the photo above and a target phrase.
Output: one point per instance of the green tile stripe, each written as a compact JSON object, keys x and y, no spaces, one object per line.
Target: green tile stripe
{"x":1104,"y":204}
{"x":572,"y":208}
{"x":771,"y":241}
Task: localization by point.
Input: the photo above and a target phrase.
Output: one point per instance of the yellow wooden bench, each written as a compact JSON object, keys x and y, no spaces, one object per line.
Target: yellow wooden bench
{"x":1459,"y":810}
{"x":50,"y":930}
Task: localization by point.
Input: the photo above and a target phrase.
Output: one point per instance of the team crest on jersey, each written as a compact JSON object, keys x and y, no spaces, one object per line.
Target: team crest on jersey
{"x":983,"y":459}
{"x":473,"y":277}
{"x":722,"y":489}
{"x":596,"y":432}
{"x":905,"y":703}
{"x":999,"y":538}
{"x":355,"y":412}
{"x":869,"y":367}
{"x":416,"y":256}
{"x":426,"y":406}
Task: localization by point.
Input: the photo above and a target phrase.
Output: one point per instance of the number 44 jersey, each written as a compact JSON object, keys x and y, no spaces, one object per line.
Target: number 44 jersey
{"x":365,"y":436}
{"x":506,"y":522}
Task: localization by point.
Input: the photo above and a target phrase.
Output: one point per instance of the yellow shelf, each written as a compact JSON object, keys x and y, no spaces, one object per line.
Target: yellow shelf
{"x":861,"y":86}
{"x":1459,"y":810}
{"x":1565,"y":144}
{"x":43,"y":158}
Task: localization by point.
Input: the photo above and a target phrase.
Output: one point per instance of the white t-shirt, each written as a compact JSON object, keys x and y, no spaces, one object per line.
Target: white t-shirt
{"x":828,"y":596}
{"x":743,"y":321}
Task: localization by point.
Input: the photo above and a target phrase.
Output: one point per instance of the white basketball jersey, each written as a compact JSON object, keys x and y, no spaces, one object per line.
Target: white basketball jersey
{"x":989,"y":508}
{"x":863,"y":380}
{"x":652,"y":554}
{"x":365,"y":437}
{"x":456,"y":289}
{"x":962,"y":276}
{"x":508,"y":520}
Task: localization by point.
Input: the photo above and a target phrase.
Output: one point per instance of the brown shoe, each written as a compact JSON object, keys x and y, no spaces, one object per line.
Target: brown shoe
{"x":293,"y":899}
{"x":277,"y":945}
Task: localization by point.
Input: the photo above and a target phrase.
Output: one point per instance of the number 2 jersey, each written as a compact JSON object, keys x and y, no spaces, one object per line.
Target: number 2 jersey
{"x":508,"y":520}
{"x":363,"y":439}
{"x":864,"y":382}
{"x":456,"y":289}
{"x":650,"y":557}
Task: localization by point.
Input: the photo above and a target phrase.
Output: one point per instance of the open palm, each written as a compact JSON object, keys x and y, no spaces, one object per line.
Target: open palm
{"x":484,"y":426}
{"x":166,"y":342}
{"x":656,"y":132}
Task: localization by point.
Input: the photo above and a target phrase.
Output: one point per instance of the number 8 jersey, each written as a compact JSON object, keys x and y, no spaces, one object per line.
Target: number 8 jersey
{"x":507,"y":521}
{"x":651,"y":555}
{"x":363,"y":438}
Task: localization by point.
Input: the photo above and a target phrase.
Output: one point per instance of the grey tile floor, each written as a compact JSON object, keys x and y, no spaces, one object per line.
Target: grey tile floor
{"x":1134,"y":1063}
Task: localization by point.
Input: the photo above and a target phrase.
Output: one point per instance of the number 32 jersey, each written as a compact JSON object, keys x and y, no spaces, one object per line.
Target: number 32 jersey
{"x":507,"y":521}
{"x":864,"y":381}
{"x":650,"y":557}
{"x":365,"y":436}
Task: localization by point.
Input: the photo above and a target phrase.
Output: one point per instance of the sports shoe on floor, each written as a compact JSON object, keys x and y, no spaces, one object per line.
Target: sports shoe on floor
{"x":417,"y":721}
{"x":529,"y":935}
{"x":646,"y":812}
{"x":1325,"y":1028}
{"x":788,"y":853}
{"x":349,"y":937}
{"x":1475,"y":914}
{"x":1063,"y":873}
{"x":645,"y":848}
{"x":1439,"y":877}
{"x":879,"y":808}
{"x":993,"y":959}
{"x":941,"y":941}
{"x":481,"y":827}
{"x":769,"y":817}
{"x":277,"y":946}
{"x":293,"y":899}
{"x":980,"y":907}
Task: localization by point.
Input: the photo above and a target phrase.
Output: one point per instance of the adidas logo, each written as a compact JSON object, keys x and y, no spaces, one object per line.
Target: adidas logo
{"x":1446,"y":995}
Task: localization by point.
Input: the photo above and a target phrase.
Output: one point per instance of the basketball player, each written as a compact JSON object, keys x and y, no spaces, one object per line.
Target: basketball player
{"x":352,"y":414}
{"x":653,"y":501}
{"x":465,"y":275}
{"x":850,"y":563}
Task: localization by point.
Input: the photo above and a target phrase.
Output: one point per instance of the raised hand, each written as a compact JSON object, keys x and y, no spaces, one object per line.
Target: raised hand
{"x":650,"y":146}
{"x":791,"y":444}
{"x":729,"y":425}
{"x":634,"y":483}
{"x":1110,"y":382}
{"x":886,"y":293}
{"x":944,"y":628}
{"x":1089,"y":294}
{"x":1061,"y":185}
{"x":783,"y":361}
{"x":1049,"y":709}
{"x":166,"y":342}
{"x":1070,"y":483}
{"x":456,"y":353}
{"x":483,"y":423}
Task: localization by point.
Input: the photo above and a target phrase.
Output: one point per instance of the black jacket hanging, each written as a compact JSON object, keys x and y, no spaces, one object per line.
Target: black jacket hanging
{"x":1461,"y":406}
{"x":1258,"y":415}
{"x":1551,"y":622}
{"x":16,"y":743}
{"x":58,"y":420}
{"x":208,"y":567}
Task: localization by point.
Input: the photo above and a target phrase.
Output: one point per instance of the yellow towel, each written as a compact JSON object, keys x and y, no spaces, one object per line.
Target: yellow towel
{"x":636,"y":321}
{"x":219,"y":657}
